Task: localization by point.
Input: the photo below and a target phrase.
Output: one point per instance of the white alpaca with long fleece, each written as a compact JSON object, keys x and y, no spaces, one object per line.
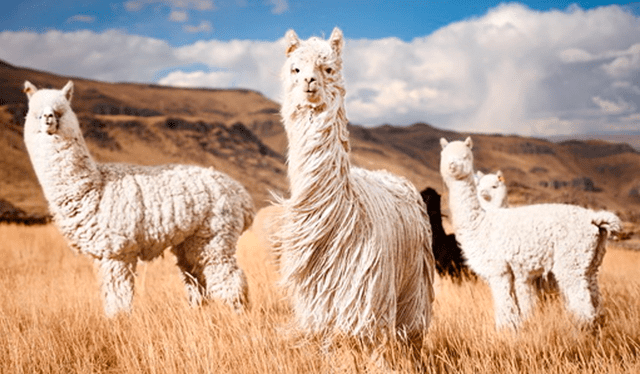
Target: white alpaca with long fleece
{"x":119,"y":213}
{"x":355,"y":244}
{"x":492,"y":191}
{"x":509,"y":247}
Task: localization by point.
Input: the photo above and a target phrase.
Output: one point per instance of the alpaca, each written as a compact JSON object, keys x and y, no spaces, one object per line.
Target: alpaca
{"x":119,"y":213}
{"x":508,"y":247}
{"x":492,"y":191}
{"x":355,"y":245}
{"x":446,"y":250}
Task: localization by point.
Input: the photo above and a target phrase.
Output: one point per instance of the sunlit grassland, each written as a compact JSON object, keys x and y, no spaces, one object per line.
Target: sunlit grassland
{"x":51,"y":321}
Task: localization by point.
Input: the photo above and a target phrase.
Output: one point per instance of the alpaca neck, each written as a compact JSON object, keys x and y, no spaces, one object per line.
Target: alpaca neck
{"x":465,"y":207}
{"x":318,"y":162}
{"x":65,"y":169}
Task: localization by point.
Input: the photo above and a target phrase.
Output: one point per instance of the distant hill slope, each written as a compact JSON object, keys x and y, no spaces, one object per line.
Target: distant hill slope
{"x":239,"y":132}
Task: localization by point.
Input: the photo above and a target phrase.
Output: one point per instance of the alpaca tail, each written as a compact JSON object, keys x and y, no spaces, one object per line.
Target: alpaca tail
{"x":607,"y":221}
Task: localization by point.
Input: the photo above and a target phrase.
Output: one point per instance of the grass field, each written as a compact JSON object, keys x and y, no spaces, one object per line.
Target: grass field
{"x":51,"y":321}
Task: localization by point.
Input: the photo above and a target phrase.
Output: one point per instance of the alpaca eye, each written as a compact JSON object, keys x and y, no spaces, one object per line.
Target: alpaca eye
{"x":328,"y":70}
{"x":295,"y":70}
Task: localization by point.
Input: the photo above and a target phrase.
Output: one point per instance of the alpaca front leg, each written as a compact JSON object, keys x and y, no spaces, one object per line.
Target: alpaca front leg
{"x":118,"y":279}
{"x":504,"y":300}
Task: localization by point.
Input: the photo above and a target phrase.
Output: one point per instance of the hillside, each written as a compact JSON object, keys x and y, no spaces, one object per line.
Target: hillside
{"x":239,"y":132}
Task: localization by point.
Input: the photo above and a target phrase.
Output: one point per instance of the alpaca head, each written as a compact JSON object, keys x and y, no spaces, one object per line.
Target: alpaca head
{"x":50,"y":110}
{"x":492,"y":188}
{"x":312,"y":73}
{"x":456,"y":159}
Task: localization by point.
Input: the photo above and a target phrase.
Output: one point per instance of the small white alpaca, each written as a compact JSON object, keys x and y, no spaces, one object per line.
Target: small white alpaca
{"x":355,"y":244}
{"x":492,"y":191}
{"x":119,"y":213}
{"x":509,"y":247}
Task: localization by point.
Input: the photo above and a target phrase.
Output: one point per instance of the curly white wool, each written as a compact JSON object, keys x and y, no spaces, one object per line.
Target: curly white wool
{"x":355,"y":245}
{"x":509,"y":247}
{"x":119,"y":213}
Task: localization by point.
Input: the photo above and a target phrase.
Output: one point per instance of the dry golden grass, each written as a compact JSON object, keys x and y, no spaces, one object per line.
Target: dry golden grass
{"x":51,"y":321}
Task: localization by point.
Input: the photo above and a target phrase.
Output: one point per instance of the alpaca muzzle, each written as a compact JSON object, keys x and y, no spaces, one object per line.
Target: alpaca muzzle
{"x":49,"y":121}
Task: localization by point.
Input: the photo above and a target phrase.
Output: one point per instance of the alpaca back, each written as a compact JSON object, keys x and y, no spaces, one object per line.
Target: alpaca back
{"x":156,"y":207}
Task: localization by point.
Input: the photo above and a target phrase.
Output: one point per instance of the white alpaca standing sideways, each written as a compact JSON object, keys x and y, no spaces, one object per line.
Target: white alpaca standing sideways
{"x":492,"y":191}
{"x":509,"y":247}
{"x":119,"y":213}
{"x":355,"y":244}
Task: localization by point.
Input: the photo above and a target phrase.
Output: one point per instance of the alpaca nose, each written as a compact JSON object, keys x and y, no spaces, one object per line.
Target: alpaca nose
{"x":310,"y":82}
{"x":49,"y":118}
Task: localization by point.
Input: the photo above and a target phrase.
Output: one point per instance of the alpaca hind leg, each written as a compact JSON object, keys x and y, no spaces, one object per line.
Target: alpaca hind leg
{"x":189,"y":260}
{"x":580,"y":288}
{"x":504,"y":300}
{"x":577,"y":293}
{"x":118,"y":279}
{"x":224,"y":280}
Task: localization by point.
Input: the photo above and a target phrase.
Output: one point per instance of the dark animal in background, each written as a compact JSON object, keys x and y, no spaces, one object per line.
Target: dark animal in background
{"x":447,"y":252}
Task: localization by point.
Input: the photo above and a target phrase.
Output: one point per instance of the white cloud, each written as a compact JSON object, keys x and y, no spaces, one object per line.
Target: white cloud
{"x":279,"y":6}
{"x":611,"y":107}
{"x":178,"y":16}
{"x":81,"y":18}
{"x":218,"y":79}
{"x":513,"y":70}
{"x":204,"y":26}
{"x":110,"y":56}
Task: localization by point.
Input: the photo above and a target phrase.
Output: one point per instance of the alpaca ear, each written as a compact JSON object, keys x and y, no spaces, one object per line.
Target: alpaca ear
{"x":292,"y":40}
{"x":479,"y":174}
{"x":67,"y":90}
{"x":443,"y":142}
{"x":468,"y":142}
{"x":29,"y":89}
{"x":500,"y":176}
{"x":336,"y":40}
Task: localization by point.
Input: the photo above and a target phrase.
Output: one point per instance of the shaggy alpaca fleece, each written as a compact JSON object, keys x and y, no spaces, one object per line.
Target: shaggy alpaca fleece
{"x":509,"y":247}
{"x":355,"y":244}
{"x":119,"y":213}
{"x":492,"y":191}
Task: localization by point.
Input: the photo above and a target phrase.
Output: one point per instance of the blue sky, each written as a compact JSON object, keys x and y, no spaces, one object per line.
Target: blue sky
{"x":529,"y":67}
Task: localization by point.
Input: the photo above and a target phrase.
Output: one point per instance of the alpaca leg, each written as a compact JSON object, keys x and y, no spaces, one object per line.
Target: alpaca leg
{"x":118,"y":279}
{"x":525,"y":296}
{"x":224,"y":280}
{"x":506,"y":308}
{"x":188,"y":261}
{"x":578,"y":299}
{"x":580,"y":288}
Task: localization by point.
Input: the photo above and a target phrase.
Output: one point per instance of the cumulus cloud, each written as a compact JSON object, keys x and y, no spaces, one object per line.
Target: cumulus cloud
{"x":110,"y":56}
{"x":512,"y":70}
{"x":245,"y":63}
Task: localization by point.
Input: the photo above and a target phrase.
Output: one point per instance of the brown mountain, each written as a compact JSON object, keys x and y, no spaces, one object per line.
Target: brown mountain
{"x":239,"y":132}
